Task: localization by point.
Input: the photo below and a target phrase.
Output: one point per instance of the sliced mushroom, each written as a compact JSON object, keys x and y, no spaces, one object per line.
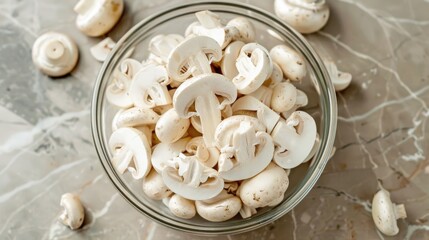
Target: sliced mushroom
{"x":301,"y":101}
{"x":246,"y":149}
{"x":275,"y":78}
{"x":254,"y":66}
{"x":131,"y":151}
{"x":73,"y":212}
{"x":246,"y":31}
{"x":154,"y":187}
{"x":207,"y":156}
{"x":134,"y":117}
{"x":220,"y":208}
{"x":202,"y":91}
{"x":306,"y":16}
{"x":97,"y":17}
{"x":283,"y":97}
{"x":149,"y":87}
{"x":341,"y":80}
{"x":102,"y":49}
{"x":189,"y":178}
{"x":117,"y":92}
{"x":226,"y":112}
{"x":294,"y":139}
{"x":265,"y":188}
{"x":182,"y":207}
{"x":247,"y":212}
{"x":385,"y":213}
{"x":193,"y":57}
{"x":55,"y":54}
{"x":263,"y":94}
{"x":291,"y":62}
{"x":231,"y":53}
{"x":147,"y":131}
{"x":231,"y":187}
{"x":162,"y":45}
{"x":171,"y":127}
{"x":165,"y":153}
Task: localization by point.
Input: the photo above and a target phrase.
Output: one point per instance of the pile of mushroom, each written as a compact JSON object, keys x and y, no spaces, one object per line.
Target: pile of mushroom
{"x":209,"y":120}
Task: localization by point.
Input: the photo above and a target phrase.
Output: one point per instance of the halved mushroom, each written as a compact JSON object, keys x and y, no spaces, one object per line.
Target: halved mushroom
{"x":182,"y":207}
{"x":154,"y":187}
{"x":230,"y":55}
{"x":246,"y":31}
{"x":171,"y":127}
{"x":284,"y":97}
{"x":97,"y":17}
{"x":134,"y":117}
{"x":294,"y":139}
{"x":102,"y":49}
{"x":202,"y":90}
{"x":264,"y":189}
{"x":131,"y":151}
{"x":165,"y":153}
{"x":162,"y":45}
{"x":193,"y":57}
{"x":117,"y":93}
{"x":149,"y":87}
{"x":219,"y":208}
{"x":291,"y":62}
{"x":341,"y":80}
{"x":189,"y":178}
{"x":207,"y":156}
{"x":306,"y":16}
{"x":73,"y":212}
{"x":246,"y":149}
{"x":254,"y":66}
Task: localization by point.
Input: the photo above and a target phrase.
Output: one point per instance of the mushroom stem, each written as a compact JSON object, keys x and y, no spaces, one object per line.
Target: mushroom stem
{"x":54,"y":49}
{"x":208,"y":108}
{"x":200,"y":64}
{"x":400,"y":211}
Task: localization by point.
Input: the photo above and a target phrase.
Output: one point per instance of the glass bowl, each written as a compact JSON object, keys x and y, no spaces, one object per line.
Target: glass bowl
{"x":270,"y":32}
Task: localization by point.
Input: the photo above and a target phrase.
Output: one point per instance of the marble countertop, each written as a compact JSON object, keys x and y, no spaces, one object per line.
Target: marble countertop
{"x":46,"y":146}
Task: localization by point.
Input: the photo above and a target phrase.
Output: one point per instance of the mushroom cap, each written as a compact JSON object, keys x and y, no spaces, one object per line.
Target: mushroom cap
{"x":55,"y":54}
{"x":163,"y":153}
{"x":284,"y":97}
{"x":220,"y":208}
{"x":133,"y":117}
{"x":128,"y":144}
{"x":304,"y":16}
{"x":97,"y":17}
{"x":200,"y":86}
{"x":73,"y":213}
{"x":154,"y":187}
{"x":265,"y":188}
{"x":171,"y":127}
{"x":182,"y":207}
{"x":291,"y":62}
{"x":246,"y":31}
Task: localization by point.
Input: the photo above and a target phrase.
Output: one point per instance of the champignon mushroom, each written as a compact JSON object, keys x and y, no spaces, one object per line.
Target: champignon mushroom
{"x":294,"y":139}
{"x":154,"y":187}
{"x":131,"y":150}
{"x":306,"y":16}
{"x":246,"y":149}
{"x":263,"y":94}
{"x":117,"y":93}
{"x":193,"y":57}
{"x":341,"y":80}
{"x":182,"y":207}
{"x":275,"y":78}
{"x":247,"y":211}
{"x":97,"y":17}
{"x":291,"y":62}
{"x":246,"y":31}
{"x":171,"y":127}
{"x":202,"y":91}
{"x":165,"y":153}
{"x":283,"y":97}
{"x":254,"y":67}
{"x":385,"y":213}
{"x":162,"y":45}
{"x":189,"y":178}
{"x":265,"y":188}
{"x":220,"y":208}
{"x":102,"y":49}
{"x":73,"y":212}
{"x":231,"y":53}
{"x":231,"y":187}
{"x":134,"y":117}
{"x":55,"y":54}
{"x":149,"y":87}
{"x":207,"y":156}
{"x":301,"y":101}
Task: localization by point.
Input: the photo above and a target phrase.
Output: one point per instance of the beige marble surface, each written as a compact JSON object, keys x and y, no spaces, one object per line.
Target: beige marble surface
{"x":46,"y":147}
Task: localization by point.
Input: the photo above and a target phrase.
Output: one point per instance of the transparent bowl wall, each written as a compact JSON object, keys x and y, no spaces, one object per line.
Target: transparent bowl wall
{"x":270,"y":32}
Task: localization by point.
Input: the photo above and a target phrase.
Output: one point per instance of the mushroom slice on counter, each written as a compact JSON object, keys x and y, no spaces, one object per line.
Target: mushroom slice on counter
{"x":102,"y":49}
{"x":73,"y":213}
{"x":341,"y":80}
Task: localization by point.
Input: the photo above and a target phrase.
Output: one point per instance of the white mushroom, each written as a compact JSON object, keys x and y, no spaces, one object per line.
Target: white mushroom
{"x":55,"y":54}
{"x":147,"y":131}
{"x":193,"y":57}
{"x":171,"y":127}
{"x":263,"y":94}
{"x":154,"y":187}
{"x":165,"y":153}
{"x":284,"y":97}
{"x":134,"y":117}
{"x":246,"y":31}
{"x":246,"y":149}
{"x":276,"y":76}
{"x":231,"y":187}
{"x":247,"y":211}
{"x":117,"y":92}
{"x":97,"y":17}
{"x":341,"y":80}
{"x":254,"y":66}
{"x":73,"y":212}
{"x":265,"y":188}
{"x":207,"y":156}
{"x":149,"y":87}
{"x":189,"y":178}
{"x":306,"y":16}
{"x":301,"y":101}
{"x":202,"y":90}
{"x":162,"y":45}
{"x":294,"y":139}
{"x":230,"y":55}
{"x":182,"y":207}
{"x":385,"y":213}
{"x":220,"y":208}
{"x":291,"y":62}
{"x":102,"y":49}
{"x":226,"y":112}
{"x":131,"y":150}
